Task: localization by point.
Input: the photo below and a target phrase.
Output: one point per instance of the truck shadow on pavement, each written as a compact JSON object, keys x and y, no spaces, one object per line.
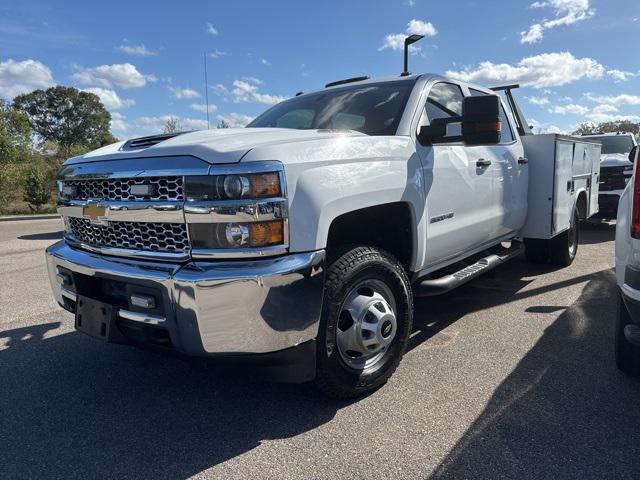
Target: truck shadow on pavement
{"x":72,"y":407}
{"x":42,"y":236}
{"x":565,"y":411}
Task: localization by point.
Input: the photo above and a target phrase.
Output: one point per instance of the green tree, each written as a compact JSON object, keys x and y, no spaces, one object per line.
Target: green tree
{"x":37,"y":185}
{"x":66,"y":115}
{"x":15,"y":134}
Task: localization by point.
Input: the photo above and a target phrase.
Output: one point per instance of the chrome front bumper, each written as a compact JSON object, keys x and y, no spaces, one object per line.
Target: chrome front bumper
{"x":218,"y":307}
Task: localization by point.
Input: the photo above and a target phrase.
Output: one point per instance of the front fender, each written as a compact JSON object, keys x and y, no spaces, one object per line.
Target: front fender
{"x":328,"y":179}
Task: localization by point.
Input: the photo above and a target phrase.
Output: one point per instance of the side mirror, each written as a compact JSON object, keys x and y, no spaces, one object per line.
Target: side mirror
{"x":434,"y":132}
{"x":633,"y":154}
{"x":481,"y":120}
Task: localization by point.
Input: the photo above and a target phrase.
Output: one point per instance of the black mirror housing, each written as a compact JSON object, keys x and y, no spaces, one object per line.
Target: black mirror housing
{"x":481,"y":120}
{"x":633,"y":154}
{"x":432,"y":133}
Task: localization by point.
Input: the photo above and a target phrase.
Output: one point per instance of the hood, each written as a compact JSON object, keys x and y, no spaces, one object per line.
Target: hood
{"x":614,"y":160}
{"x":215,"y":146}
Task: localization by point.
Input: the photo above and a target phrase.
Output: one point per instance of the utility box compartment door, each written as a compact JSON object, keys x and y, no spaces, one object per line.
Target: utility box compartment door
{"x":563,"y":187}
{"x":559,"y":167}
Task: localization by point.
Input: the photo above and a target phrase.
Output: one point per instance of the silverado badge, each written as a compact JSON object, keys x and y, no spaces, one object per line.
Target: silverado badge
{"x":95,"y":214}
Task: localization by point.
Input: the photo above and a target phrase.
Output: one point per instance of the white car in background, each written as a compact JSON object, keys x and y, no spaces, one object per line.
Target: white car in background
{"x":615,"y":169}
{"x":627,"y":336}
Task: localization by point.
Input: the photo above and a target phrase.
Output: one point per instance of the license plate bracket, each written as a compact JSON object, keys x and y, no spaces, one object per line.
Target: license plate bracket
{"x":96,"y":319}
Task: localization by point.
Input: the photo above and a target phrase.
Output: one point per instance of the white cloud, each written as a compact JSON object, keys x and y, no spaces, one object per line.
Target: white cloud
{"x":17,"y":78}
{"x":567,"y":12}
{"x":202,"y":107}
{"x":395,"y":41}
{"x":571,"y":109}
{"x":539,"y":71}
{"x":235,"y":119}
{"x":110,"y":98}
{"x":622,"y":99}
{"x":540,"y":101}
{"x":119,"y":124}
{"x":217,"y":53}
{"x":540,"y":128}
{"x":604,"y":108}
{"x":265,"y":62}
{"x":247,"y":91}
{"x":183,"y":93}
{"x":139,"y":50}
{"x":419,"y":27}
{"x":211,"y":29}
{"x":533,"y":35}
{"x":156,"y":124}
{"x":123,"y":75}
{"x":151,"y":125}
{"x":620,"y":75}
{"x":605,"y":117}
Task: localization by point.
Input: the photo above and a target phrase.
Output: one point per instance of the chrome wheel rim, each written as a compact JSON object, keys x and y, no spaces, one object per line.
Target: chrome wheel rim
{"x":366,"y":325}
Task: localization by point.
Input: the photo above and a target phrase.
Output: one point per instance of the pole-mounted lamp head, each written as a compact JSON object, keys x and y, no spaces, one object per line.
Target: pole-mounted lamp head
{"x":411,"y":39}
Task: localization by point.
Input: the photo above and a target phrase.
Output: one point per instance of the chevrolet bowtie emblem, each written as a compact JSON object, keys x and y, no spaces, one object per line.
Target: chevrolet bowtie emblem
{"x":95,"y":214}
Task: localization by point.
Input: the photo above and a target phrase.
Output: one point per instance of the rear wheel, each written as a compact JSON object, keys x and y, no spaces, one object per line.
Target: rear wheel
{"x":366,"y":321}
{"x":627,"y":354}
{"x":564,"y":247}
{"x":536,"y":251}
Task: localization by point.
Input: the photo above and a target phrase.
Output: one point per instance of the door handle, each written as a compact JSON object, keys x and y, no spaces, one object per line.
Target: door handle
{"x":483,"y":163}
{"x":523,"y":160}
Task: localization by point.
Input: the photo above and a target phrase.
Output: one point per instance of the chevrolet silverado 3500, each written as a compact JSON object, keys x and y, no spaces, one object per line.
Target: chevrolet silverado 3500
{"x":301,"y":240}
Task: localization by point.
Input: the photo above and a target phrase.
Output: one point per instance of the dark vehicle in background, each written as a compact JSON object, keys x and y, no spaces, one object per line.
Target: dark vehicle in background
{"x":615,"y":169}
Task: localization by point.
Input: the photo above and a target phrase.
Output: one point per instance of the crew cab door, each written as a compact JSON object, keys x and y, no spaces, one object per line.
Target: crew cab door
{"x":511,"y":177}
{"x":461,"y":206}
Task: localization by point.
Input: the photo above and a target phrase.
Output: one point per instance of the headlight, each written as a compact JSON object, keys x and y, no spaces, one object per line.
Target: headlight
{"x":236,"y":211}
{"x":234,"y":235}
{"x":233,"y":187}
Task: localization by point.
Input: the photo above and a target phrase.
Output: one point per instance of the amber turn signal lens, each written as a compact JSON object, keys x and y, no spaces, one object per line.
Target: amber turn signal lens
{"x":266,"y":233}
{"x":265,"y":185}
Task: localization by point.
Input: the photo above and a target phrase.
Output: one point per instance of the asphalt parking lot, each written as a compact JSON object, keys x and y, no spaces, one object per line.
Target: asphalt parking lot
{"x":510,"y":376}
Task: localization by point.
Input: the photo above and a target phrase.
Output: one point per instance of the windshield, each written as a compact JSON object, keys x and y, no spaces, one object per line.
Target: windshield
{"x":615,"y":144}
{"x":373,"y":109}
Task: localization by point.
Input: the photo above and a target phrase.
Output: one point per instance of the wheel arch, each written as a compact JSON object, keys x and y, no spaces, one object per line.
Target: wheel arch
{"x":388,"y":226}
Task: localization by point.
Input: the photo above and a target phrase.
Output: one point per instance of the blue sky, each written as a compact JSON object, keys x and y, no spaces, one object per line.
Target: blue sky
{"x":578,"y":58}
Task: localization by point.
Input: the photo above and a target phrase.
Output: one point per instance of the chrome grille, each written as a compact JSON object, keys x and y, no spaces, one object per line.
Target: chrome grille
{"x":155,"y":237}
{"x":165,"y":188}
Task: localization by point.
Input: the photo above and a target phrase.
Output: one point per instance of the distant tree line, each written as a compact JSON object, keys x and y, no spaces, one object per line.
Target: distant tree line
{"x":622,"y":126}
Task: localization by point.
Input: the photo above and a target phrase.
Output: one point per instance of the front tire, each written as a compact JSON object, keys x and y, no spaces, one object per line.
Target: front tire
{"x":627,"y":355}
{"x":366,"y":320}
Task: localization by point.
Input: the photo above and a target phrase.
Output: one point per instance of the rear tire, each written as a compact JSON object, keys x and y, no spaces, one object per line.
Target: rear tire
{"x":366,"y":320}
{"x":627,"y":355}
{"x":564,"y":247}
{"x":536,"y":251}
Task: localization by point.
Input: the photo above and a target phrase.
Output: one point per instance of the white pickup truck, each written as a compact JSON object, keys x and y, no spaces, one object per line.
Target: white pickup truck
{"x":300,"y":241}
{"x":627,"y":332}
{"x":615,"y":169}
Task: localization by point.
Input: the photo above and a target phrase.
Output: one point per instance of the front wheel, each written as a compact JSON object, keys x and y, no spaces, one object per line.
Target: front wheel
{"x":366,"y":321}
